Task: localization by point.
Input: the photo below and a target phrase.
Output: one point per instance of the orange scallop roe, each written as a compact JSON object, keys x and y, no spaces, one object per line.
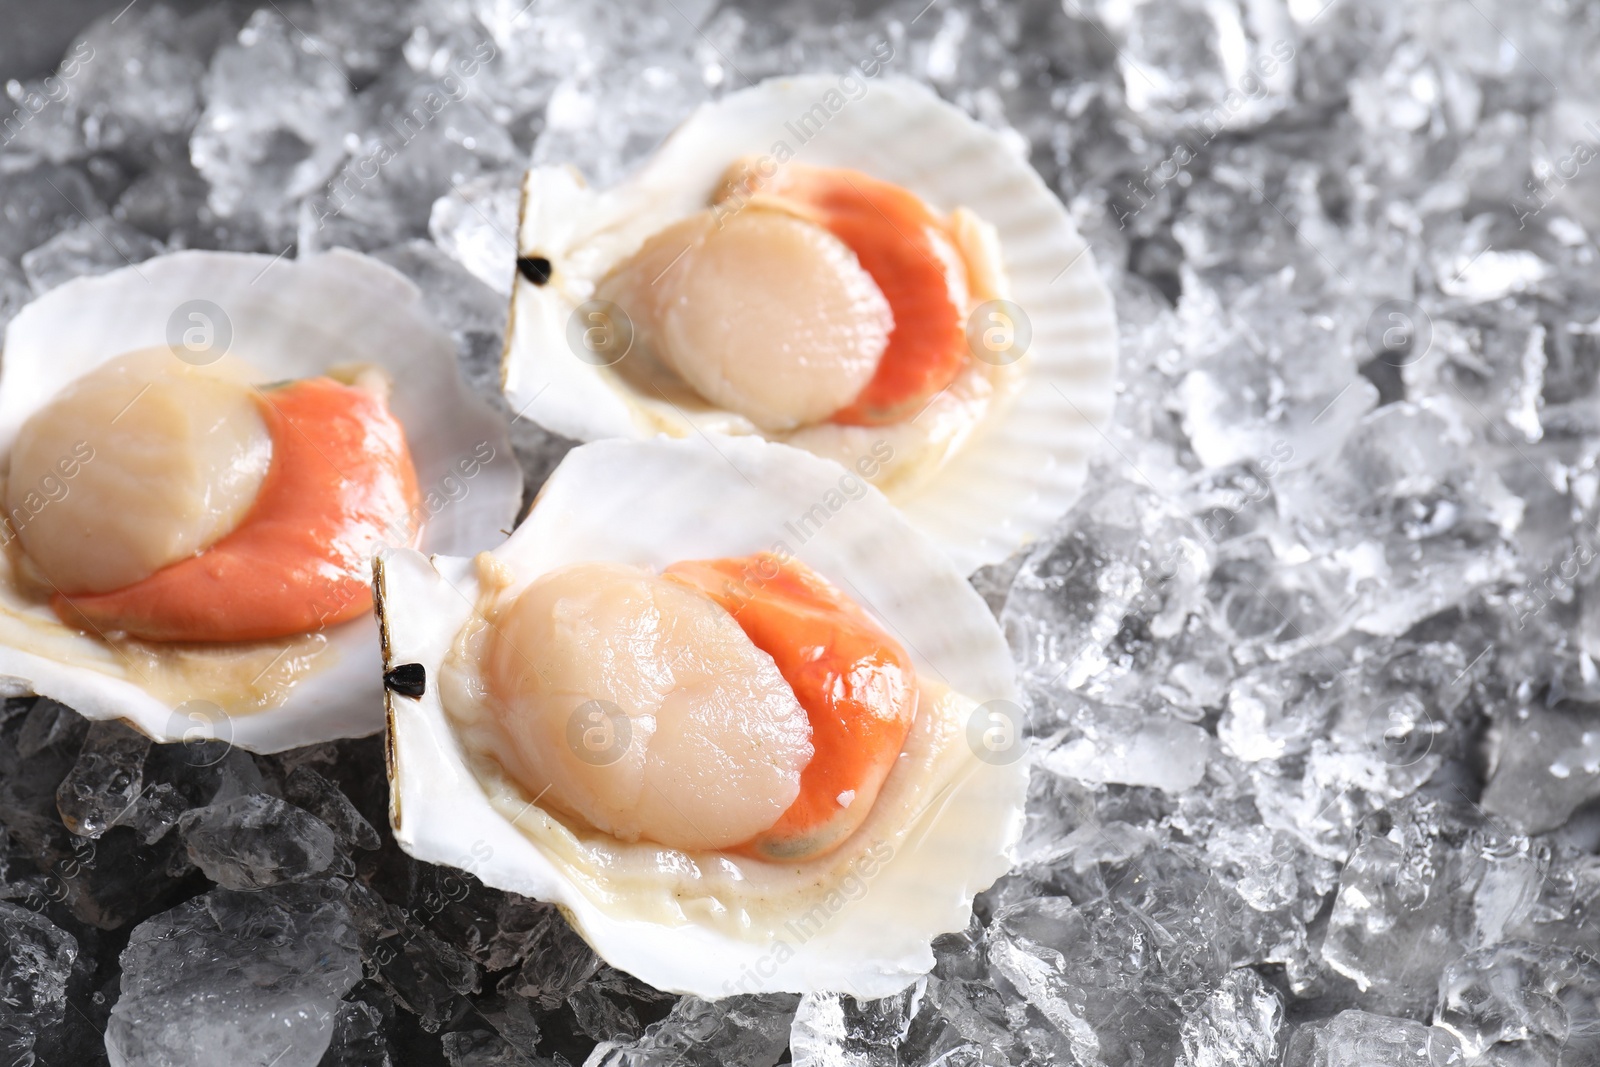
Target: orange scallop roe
{"x":855,"y":682}
{"x":911,"y":255}
{"x":341,"y":482}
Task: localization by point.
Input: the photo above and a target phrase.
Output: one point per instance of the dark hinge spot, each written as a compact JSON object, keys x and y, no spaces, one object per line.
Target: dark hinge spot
{"x":407,"y":679}
{"x":534,"y":268}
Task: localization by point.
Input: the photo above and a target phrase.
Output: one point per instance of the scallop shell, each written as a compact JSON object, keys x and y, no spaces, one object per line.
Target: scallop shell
{"x":653,"y":503}
{"x":291,"y":319}
{"x":1028,"y":461}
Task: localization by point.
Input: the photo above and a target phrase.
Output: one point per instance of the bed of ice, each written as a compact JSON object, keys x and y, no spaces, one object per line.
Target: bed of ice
{"x":1312,"y":666}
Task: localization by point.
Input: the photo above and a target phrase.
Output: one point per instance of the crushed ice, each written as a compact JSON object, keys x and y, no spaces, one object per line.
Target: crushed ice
{"x":1311,"y":668}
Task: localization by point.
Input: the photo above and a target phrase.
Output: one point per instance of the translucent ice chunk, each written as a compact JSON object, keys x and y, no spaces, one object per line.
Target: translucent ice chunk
{"x":1129,"y":748}
{"x":14,"y":291}
{"x":1524,"y":1002}
{"x":241,"y":978}
{"x":1236,"y":1025}
{"x":422,"y":137}
{"x":256,"y":840}
{"x":741,"y":1031}
{"x":38,"y":958}
{"x":311,"y":791}
{"x":476,"y":225}
{"x":37,"y":203}
{"x":272,"y":128}
{"x":1546,"y":762}
{"x":92,"y":246}
{"x":1211,"y":66}
{"x":1362,"y":1039}
{"x":107,"y":780}
{"x":1425,"y":884}
{"x":1094,"y":974}
{"x":831,"y":1030}
{"x":139,"y":81}
{"x":474,"y":314}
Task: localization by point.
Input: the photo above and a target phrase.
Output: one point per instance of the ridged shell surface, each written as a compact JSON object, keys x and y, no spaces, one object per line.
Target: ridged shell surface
{"x":652,"y":504}
{"x":289,"y":319}
{"x":1027,"y":462}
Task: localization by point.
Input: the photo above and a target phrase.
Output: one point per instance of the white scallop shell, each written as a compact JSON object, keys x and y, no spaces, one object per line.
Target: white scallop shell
{"x":1026,"y":465}
{"x":290,"y":319}
{"x":653,"y":503}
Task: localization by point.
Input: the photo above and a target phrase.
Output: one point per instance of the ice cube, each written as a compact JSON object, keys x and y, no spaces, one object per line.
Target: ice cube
{"x":363,"y":35}
{"x":91,"y":246}
{"x":39,"y":122}
{"x":106,"y":882}
{"x":476,"y":225}
{"x":256,"y":840}
{"x":358,"y":1034}
{"x":485,"y":1048}
{"x":312,"y":792}
{"x":426,"y":975}
{"x":474,"y":314}
{"x":625,"y":77}
{"x":106,"y":781}
{"x":40,"y":202}
{"x":1523,"y":1002}
{"x":1278,"y":709}
{"x":1210,"y":67}
{"x":1425,"y":884}
{"x":167,"y":203}
{"x":1097,"y":605}
{"x":1418,"y":522}
{"x":739,"y":1031}
{"x":36,"y":963}
{"x":272,"y":132}
{"x":1109,"y":975}
{"x":1130,"y":748}
{"x":558,"y":962}
{"x":422,"y":137}
{"x":138,"y":82}
{"x":497,"y":929}
{"x":1236,"y":1025}
{"x":601,"y":1016}
{"x":14,"y":292}
{"x":1545,"y":763}
{"x":239,"y":978}
{"x":1362,"y":1039}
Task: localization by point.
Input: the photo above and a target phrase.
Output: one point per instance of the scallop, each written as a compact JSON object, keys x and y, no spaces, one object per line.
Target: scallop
{"x":721,"y":738}
{"x":178,"y":468}
{"x":151,"y":420}
{"x":591,"y":714}
{"x":858,"y":274}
